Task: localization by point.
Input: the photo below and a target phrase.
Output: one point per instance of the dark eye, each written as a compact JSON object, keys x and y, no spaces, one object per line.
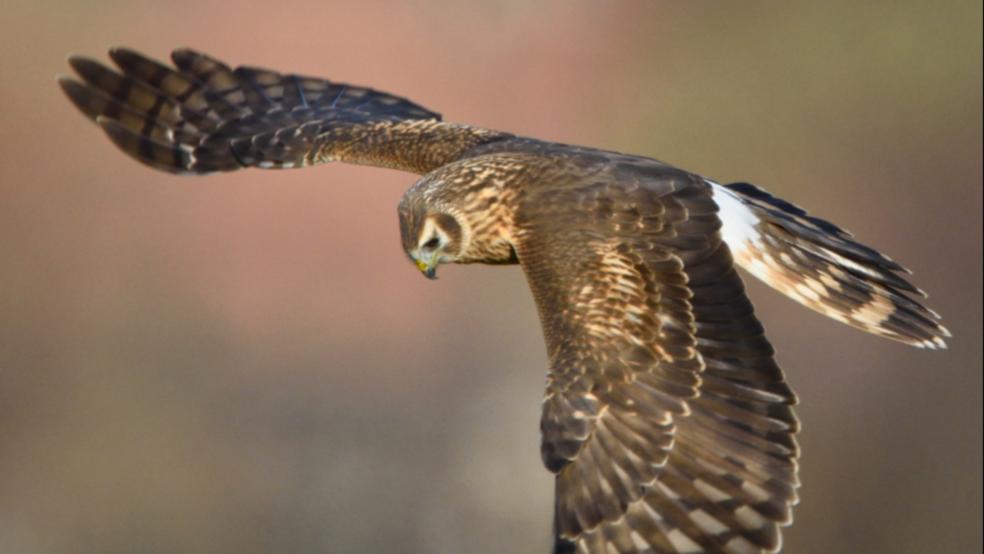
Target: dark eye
{"x":432,"y":244}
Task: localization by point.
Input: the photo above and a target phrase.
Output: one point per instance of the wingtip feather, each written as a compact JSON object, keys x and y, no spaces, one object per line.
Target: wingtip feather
{"x":82,"y":64}
{"x":78,"y":94}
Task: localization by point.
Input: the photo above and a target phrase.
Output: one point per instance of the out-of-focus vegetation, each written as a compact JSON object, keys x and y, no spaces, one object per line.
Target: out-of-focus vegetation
{"x":247,"y":363}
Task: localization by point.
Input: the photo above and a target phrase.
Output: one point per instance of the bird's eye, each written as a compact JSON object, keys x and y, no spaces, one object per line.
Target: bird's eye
{"x":432,"y":244}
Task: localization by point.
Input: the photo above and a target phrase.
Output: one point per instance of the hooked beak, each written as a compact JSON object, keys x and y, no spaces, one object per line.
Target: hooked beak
{"x":429,"y":269}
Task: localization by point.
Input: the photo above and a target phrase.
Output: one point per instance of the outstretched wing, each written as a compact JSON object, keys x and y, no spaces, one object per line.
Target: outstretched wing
{"x":666,"y":419}
{"x":201,"y":116}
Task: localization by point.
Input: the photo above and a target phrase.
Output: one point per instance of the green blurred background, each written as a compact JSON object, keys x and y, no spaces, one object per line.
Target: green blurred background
{"x":247,"y":362}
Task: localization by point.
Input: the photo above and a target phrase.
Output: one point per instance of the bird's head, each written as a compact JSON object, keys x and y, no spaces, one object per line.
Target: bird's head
{"x":431,"y":237}
{"x":433,"y":227}
{"x":457,"y":215}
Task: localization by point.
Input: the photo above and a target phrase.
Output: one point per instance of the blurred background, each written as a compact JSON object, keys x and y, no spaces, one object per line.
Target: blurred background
{"x":248,"y":363}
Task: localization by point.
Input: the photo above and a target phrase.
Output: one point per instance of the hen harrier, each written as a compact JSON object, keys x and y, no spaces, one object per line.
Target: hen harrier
{"x":666,"y":420}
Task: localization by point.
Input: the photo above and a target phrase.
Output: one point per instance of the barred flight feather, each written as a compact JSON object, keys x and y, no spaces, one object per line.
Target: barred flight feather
{"x":202,"y":116}
{"x":822,"y":267}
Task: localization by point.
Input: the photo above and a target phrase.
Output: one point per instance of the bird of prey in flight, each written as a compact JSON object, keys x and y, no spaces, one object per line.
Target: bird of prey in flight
{"x":666,"y":420}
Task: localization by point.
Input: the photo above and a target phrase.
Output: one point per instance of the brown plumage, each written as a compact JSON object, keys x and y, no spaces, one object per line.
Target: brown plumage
{"x":666,"y":419}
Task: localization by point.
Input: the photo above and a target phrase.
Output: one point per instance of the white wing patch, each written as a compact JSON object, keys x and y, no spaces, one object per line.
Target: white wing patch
{"x":738,"y":221}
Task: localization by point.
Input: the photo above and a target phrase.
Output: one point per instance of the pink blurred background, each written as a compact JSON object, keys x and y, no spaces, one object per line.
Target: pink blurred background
{"x":248,"y":363}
